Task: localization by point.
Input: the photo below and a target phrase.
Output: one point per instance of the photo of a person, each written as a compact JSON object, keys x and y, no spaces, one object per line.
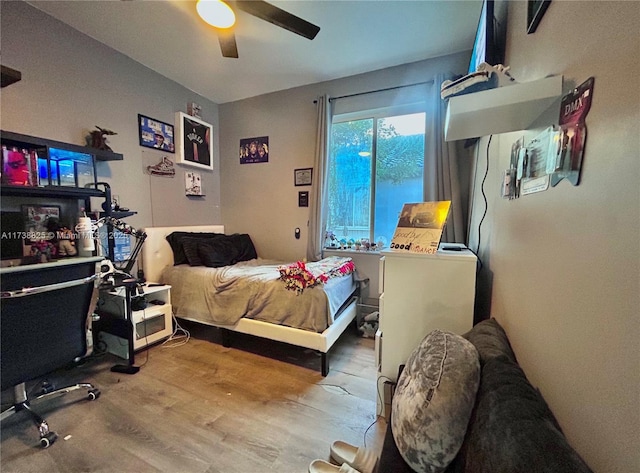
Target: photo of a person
{"x":156,"y":134}
{"x":254,"y":150}
{"x":159,"y":141}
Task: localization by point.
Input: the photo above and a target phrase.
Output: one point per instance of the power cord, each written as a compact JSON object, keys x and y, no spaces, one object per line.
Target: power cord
{"x":179,"y":337}
{"x":486,"y":205}
{"x":379,"y":416}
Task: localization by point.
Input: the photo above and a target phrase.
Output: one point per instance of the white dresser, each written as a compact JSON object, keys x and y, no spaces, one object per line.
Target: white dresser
{"x":420,"y":293}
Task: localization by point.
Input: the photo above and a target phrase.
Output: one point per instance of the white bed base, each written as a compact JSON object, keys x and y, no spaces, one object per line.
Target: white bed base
{"x":157,"y":254}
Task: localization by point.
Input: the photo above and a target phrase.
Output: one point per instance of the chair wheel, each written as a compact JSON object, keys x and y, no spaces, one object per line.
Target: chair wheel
{"x":93,"y":394}
{"x":48,"y":439}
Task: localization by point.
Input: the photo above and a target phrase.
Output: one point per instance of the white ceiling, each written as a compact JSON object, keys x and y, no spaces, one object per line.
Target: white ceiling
{"x":355,"y":37}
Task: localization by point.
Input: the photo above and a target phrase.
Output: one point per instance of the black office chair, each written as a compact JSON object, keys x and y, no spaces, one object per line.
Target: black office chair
{"x":47,"y":312}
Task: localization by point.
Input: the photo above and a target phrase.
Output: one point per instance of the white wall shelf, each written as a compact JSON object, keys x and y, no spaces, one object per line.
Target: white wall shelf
{"x":501,"y":110}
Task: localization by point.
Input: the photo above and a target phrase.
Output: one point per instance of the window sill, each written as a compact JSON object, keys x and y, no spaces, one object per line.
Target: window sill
{"x":351,"y":251}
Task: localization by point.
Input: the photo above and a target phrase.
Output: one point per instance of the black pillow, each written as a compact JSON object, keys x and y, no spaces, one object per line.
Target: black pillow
{"x":246,"y":250}
{"x":190,"y":247}
{"x":218,"y":252}
{"x":175,"y":241}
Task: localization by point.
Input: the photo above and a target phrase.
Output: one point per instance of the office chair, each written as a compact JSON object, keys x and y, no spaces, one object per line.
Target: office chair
{"x":47,"y":311}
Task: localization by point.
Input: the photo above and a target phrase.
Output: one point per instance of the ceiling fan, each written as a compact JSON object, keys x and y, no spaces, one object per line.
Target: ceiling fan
{"x":211,"y":10}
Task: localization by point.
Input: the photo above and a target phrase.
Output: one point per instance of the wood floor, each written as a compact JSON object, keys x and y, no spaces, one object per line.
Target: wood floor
{"x":203,"y":408}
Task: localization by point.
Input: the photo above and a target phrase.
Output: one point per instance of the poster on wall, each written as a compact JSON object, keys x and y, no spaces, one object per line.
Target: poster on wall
{"x":420,"y":227}
{"x":193,"y":184}
{"x":574,"y":108}
{"x":155,"y":134}
{"x":254,"y":150}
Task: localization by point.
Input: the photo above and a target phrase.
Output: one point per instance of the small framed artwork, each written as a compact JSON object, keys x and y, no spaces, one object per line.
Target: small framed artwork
{"x":193,"y":184}
{"x":303,"y":177}
{"x":535,"y":12}
{"x":156,"y":134}
{"x":303,"y":199}
{"x":36,"y":221}
{"x":194,"y":142}
{"x":254,"y":150}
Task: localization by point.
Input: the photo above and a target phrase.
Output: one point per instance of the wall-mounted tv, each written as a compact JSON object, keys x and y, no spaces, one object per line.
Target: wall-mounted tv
{"x":491,"y":35}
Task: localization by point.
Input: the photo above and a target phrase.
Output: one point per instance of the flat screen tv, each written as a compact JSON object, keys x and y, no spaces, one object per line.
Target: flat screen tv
{"x":489,"y":44}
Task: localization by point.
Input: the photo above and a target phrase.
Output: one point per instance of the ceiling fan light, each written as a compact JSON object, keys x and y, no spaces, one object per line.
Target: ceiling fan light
{"x":216,"y":13}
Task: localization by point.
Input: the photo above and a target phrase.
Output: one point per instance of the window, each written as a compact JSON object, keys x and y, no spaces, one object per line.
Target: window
{"x":376,"y":164}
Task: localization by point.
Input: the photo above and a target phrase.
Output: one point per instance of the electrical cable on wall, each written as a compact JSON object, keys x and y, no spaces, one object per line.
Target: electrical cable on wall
{"x":486,"y":205}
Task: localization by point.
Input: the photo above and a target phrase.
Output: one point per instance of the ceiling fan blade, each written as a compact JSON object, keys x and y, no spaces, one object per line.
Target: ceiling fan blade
{"x":228,"y":44}
{"x":267,"y":12}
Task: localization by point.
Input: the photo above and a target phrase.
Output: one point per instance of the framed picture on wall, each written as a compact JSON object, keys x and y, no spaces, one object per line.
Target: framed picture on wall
{"x":156,"y":134}
{"x":303,"y":177}
{"x":535,"y":12}
{"x":193,"y":184}
{"x":194,"y":142}
{"x":36,"y":221}
{"x":254,"y":150}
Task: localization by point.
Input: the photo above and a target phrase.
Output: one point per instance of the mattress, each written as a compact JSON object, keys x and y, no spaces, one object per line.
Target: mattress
{"x":253,"y":289}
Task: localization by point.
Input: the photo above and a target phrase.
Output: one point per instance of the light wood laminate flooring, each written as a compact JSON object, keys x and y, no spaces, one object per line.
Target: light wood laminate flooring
{"x":259,"y":406}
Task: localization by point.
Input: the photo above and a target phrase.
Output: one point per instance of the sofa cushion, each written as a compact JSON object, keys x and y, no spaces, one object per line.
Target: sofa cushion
{"x":490,"y":340}
{"x":511,"y":428}
{"x":433,"y":401}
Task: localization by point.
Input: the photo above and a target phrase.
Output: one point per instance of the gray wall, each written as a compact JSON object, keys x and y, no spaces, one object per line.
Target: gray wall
{"x":562,"y":268}
{"x":261,"y":199}
{"x":71,"y":83}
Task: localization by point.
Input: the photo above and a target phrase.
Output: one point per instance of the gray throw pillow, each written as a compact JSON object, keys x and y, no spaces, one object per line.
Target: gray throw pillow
{"x":433,"y":401}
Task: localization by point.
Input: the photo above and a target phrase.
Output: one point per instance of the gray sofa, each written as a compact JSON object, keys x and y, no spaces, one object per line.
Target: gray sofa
{"x":511,"y":429}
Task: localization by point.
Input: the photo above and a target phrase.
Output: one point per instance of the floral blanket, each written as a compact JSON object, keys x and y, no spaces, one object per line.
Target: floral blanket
{"x":299,"y":275}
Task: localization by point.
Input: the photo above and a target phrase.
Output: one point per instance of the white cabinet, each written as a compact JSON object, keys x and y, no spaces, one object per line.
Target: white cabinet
{"x":420,"y":293}
{"x":149,"y":324}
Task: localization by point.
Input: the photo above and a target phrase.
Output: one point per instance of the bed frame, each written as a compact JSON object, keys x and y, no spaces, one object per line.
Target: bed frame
{"x":157,"y":254}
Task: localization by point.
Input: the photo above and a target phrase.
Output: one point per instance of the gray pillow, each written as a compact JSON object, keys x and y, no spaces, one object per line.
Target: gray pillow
{"x":433,"y":401}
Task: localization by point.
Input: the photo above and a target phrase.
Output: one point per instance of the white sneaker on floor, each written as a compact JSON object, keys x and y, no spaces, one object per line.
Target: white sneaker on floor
{"x":360,"y":458}
{"x":321,"y":466}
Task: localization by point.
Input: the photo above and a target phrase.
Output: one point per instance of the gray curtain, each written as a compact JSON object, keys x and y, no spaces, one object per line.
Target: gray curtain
{"x":317,"y":204}
{"x":442,"y":174}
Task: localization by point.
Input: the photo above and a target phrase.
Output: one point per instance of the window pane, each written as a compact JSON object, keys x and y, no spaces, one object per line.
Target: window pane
{"x":398,"y":154}
{"x":399,"y":169}
{"x":349,"y":175}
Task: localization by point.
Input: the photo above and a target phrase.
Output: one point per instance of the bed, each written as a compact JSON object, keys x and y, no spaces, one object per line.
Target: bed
{"x":194,"y":297}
